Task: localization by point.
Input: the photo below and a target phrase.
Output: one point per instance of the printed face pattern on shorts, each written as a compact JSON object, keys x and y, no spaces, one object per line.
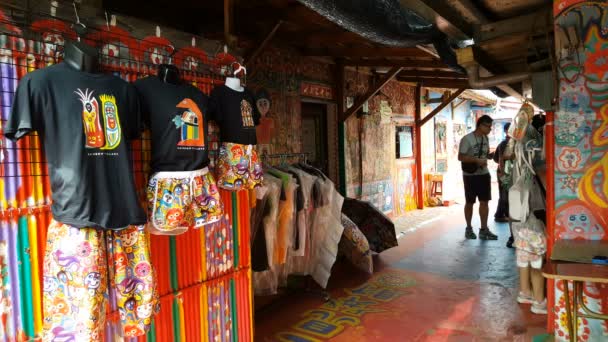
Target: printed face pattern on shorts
{"x":238,"y":167}
{"x":76,"y":281}
{"x":175,"y":204}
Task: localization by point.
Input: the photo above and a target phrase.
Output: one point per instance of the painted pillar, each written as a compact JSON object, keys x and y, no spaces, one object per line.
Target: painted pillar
{"x":581,"y":145}
{"x":418,"y":140}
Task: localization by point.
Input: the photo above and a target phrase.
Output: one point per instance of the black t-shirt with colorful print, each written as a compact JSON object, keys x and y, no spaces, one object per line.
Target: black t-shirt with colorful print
{"x":177,"y":117}
{"x":235,"y":113}
{"x":85,"y":121}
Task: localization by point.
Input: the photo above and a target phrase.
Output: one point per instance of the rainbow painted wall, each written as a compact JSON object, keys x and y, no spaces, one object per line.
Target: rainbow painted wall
{"x":581,"y":146}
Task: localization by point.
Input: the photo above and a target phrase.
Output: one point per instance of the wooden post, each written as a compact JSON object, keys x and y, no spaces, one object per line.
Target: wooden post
{"x":440,"y":107}
{"x":418,"y":142}
{"x":339,"y":79}
{"x":550,"y":183}
{"x":228,"y":23}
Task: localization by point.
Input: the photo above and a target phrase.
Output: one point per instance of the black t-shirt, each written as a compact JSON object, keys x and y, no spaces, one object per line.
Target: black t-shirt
{"x":177,"y":118}
{"x":85,"y":121}
{"x":235,"y":113}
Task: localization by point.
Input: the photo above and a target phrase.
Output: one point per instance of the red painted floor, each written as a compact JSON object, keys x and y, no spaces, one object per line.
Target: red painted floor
{"x":436,"y":286}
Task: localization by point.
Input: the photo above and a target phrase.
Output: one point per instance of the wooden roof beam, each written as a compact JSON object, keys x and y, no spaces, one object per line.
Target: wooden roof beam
{"x":404,"y":63}
{"x":538,"y":22}
{"x":436,"y":83}
{"x":432,"y":74}
{"x":440,"y":107}
{"x":442,"y":15}
{"x":364,"y":52}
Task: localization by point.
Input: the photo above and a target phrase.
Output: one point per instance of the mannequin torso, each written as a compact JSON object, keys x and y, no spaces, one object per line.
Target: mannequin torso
{"x":81,"y":56}
{"x":234,"y":84}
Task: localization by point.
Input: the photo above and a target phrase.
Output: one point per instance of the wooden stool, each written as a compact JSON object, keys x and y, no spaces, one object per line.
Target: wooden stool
{"x":436,"y":185}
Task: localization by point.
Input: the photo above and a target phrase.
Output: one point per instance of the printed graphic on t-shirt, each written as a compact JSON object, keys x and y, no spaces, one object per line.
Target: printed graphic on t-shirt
{"x":90,"y":118}
{"x":106,"y":137}
{"x":247,"y":113}
{"x":112,"y":124}
{"x":190,"y":122}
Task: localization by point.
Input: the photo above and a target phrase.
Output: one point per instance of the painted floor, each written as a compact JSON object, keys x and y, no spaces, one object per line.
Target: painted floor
{"x":435,"y":286}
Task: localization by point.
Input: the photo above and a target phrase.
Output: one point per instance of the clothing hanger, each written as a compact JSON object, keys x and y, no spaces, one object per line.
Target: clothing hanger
{"x":78,"y":27}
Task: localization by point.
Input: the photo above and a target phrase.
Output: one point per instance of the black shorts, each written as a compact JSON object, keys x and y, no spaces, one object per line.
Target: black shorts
{"x":477,"y":186}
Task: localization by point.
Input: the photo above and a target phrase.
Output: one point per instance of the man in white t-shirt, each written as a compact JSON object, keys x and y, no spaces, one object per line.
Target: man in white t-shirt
{"x":473,"y":154}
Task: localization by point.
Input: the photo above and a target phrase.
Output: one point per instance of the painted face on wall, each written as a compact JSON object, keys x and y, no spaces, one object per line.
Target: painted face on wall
{"x":263,"y":105}
{"x":574,"y":159}
{"x":576,"y":221}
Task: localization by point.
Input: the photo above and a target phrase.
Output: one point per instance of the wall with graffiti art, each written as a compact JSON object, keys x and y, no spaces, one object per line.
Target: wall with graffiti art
{"x":581,"y":144}
{"x":282,"y":74}
{"x":373,"y":173}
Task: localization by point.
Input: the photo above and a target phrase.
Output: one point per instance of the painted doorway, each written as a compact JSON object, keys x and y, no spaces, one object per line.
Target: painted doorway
{"x":314,"y":134}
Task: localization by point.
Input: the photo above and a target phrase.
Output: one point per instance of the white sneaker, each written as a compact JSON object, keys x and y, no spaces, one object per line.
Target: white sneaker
{"x":523,"y":299}
{"x":539,"y":308}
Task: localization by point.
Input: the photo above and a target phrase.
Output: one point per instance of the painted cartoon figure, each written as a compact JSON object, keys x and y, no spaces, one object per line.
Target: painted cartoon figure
{"x":577,"y":221}
{"x":130,"y":239}
{"x":237,"y":152}
{"x":84,"y":249}
{"x":120,"y":262}
{"x":111,"y":121}
{"x":90,"y":118}
{"x":144,"y":311}
{"x":164,"y":204}
{"x":70,"y":263}
{"x":50,"y":284}
{"x":92,"y":280}
{"x":143,"y":269}
{"x":178,"y":192}
{"x":133,"y":330}
{"x":258,"y":172}
{"x":174,"y":217}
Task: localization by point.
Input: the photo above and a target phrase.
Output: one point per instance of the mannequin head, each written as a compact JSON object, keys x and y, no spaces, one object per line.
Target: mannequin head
{"x":81,"y":56}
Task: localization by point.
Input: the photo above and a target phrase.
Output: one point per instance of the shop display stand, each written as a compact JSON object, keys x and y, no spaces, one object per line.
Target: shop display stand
{"x":205,"y":287}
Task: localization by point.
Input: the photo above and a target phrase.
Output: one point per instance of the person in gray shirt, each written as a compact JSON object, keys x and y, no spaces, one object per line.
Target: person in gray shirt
{"x":473,"y":154}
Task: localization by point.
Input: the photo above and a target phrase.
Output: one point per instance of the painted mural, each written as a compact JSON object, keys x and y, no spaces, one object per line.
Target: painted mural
{"x":405,"y":186}
{"x":401,"y":98}
{"x":284,"y":71}
{"x":581,"y":139}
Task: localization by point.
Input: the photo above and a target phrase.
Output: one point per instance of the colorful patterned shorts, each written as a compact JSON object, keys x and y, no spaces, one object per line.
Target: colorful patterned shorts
{"x":78,"y":265}
{"x":238,"y":167}
{"x":525,"y":258}
{"x":180,"y":200}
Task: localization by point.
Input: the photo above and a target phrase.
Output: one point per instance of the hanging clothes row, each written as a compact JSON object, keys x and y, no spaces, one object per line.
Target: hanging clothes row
{"x":296,"y":227}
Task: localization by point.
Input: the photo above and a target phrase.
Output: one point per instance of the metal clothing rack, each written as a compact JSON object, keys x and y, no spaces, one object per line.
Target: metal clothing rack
{"x":308,"y":284}
{"x":283,"y":157}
